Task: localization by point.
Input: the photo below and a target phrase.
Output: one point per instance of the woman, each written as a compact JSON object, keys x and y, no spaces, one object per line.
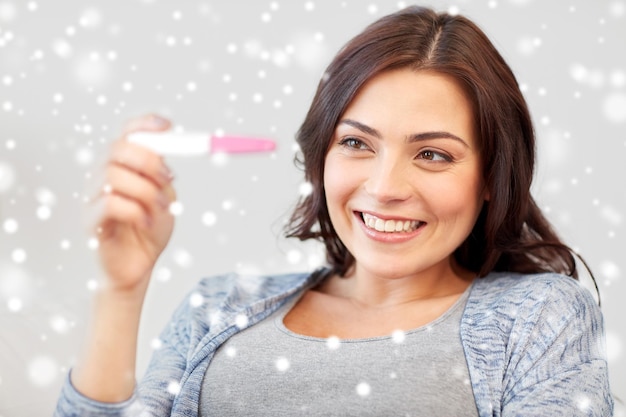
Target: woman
{"x":446,"y":291}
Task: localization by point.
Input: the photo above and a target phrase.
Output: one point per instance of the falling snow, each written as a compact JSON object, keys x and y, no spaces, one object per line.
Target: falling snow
{"x":173,"y":387}
{"x":196,"y":299}
{"x":398,"y":336}
{"x":282,"y":364}
{"x":614,"y":107}
{"x":363,"y":389}
{"x":176,"y":208}
{"x":333,"y":343}
{"x":69,"y":82}
{"x":182,"y":258}
{"x":294,"y":256}
{"x":241,"y":321}
{"x":163,"y":274}
{"x":305,"y":189}
{"x":156,"y":343}
{"x":42,"y":371}
{"x":7,"y":177}
{"x":209,"y":218}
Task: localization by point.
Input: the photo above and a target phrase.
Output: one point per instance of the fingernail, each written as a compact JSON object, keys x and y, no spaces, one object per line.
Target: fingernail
{"x":166,"y":174}
{"x":158,"y":121}
{"x":163,"y":201}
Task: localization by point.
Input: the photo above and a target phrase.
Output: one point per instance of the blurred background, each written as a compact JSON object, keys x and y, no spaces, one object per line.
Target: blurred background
{"x":72,"y":72}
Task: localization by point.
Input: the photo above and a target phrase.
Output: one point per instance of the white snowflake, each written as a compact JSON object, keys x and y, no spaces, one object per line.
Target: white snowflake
{"x":398,"y":336}
{"x":18,"y":255}
{"x":156,"y":343}
{"x":60,"y":324}
{"x":363,"y":389}
{"x":14,"y":304}
{"x":176,"y":208}
{"x":282,"y":364}
{"x":614,"y":107}
{"x":294,"y":256}
{"x":173,"y":387}
{"x":196,"y":299}
{"x":90,"y":19}
{"x":305,"y":189}
{"x":209,"y":218}
{"x":62,"y":48}
{"x":333,"y":343}
{"x":45,"y":196}
{"x":228,"y":205}
{"x":183,"y":258}
{"x":609,"y":270}
{"x":220,"y":159}
{"x":10,"y":226}
{"x":43,"y":371}
{"x":241,"y":321}
{"x":84,"y":156}
{"x":583,"y":403}
{"x":7,"y":177}
{"x":612,"y":215}
{"x":43,"y":212}
{"x":163,"y":274}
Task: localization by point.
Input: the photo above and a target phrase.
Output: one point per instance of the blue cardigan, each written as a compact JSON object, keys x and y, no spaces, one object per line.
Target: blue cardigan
{"x":534,"y":345}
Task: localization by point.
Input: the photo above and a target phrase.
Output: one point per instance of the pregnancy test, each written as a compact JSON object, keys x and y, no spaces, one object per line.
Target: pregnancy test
{"x":199,"y":143}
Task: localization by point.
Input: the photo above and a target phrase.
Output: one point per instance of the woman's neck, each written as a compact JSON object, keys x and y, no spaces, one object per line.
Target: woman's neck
{"x":375,"y":291}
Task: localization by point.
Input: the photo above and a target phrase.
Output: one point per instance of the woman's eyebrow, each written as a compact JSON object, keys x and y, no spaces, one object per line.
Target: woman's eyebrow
{"x":362,"y":127}
{"x":416,"y":137}
{"x":435,"y":135}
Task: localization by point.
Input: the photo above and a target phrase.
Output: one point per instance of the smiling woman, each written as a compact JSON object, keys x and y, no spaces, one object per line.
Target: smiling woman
{"x":512,"y":234}
{"x":410,"y":166}
{"x":446,"y":293}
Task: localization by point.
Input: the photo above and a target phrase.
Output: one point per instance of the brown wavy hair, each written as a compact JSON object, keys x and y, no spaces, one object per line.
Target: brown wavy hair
{"x":511,"y":233}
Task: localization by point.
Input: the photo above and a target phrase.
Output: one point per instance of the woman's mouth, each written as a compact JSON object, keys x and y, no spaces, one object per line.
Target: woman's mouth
{"x":390,"y":225}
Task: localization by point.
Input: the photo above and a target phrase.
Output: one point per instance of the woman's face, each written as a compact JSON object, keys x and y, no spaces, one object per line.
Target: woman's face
{"x":402,"y":174}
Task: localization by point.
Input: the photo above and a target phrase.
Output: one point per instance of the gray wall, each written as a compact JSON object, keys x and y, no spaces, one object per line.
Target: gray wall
{"x":72,"y":72}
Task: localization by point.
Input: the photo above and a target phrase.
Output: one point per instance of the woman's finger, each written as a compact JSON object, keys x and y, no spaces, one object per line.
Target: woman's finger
{"x":111,"y":210}
{"x":148,"y":122}
{"x":142,"y":161}
{"x":132,"y":186}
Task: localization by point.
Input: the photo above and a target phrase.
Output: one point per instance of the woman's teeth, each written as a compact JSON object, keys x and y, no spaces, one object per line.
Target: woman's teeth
{"x":381,"y":225}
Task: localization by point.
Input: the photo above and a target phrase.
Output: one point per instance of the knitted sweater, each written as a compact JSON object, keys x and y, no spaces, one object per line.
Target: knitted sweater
{"x":534,"y":346}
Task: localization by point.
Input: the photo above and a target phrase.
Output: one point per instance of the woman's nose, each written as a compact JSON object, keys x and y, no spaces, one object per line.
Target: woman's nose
{"x":389,"y":180}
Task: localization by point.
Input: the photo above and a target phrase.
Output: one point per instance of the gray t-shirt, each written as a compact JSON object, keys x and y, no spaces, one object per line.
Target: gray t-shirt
{"x":422,"y":372}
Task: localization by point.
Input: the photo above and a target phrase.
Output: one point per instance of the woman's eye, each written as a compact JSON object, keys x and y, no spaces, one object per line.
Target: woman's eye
{"x":434,"y":156}
{"x":353,"y":143}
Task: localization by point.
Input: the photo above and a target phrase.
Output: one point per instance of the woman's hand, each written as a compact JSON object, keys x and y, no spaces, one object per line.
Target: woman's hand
{"x":130,"y":212}
{"x":130,"y":216}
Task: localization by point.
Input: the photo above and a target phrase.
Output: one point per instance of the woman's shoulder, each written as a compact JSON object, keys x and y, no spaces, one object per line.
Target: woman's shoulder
{"x":540,"y":287}
{"x":509,"y":296}
{"x":534,"y":336}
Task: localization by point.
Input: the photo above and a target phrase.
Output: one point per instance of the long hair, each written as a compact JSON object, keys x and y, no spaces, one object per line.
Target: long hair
{"x":511,"y":233}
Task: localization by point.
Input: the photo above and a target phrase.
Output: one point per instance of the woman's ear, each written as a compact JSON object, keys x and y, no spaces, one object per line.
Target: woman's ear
{"x":486,"y":194}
